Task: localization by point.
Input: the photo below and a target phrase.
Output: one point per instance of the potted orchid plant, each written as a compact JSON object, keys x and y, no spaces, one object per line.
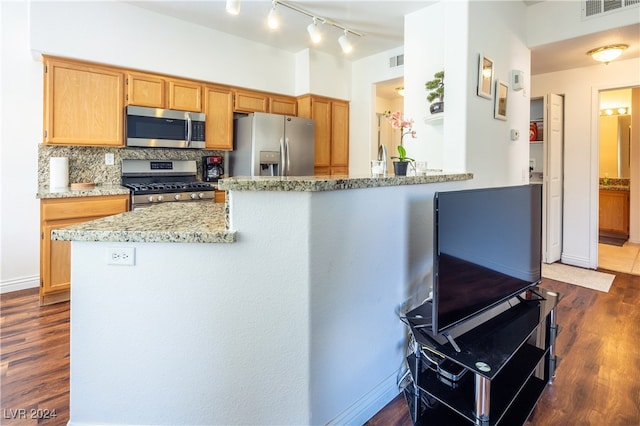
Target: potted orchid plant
{"x":405,"y":126}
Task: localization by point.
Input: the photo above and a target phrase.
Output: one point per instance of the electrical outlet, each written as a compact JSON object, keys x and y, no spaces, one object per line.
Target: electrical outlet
{"x":121,"y":256}
{"x":109,"y":159}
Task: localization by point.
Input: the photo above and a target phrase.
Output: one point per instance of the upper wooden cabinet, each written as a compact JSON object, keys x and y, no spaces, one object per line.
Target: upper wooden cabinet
{"x":218,"y":108}
{"x":284,"y":105}
{"x":155,"y":91}
{"x":185,"y":95}
{"x":83,"y":103}
{"x":250,"y":101}
{"x":146,"y":90}
{"x":332,"y":133}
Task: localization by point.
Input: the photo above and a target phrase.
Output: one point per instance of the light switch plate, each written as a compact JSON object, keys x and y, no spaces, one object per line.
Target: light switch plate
{"x":109,"y":159}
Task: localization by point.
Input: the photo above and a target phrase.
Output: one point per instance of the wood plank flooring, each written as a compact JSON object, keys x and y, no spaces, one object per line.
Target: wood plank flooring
{"x":34,"y":360}
{"x":597,"y":380}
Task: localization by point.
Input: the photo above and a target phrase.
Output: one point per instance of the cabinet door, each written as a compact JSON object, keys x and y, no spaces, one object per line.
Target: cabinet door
{"x":83,"y":104}
{"x":220,"y":196}
{"x":340,"y":136}
{"x":55,"y":256}
{"x":185,"y":95}
{"x":321,"y":113}
{"x":146,"y":90}
{"x":614,"y":212}
{"x":282,"y":105}
{"x":218,"y":108}
{"x":250,"y":101}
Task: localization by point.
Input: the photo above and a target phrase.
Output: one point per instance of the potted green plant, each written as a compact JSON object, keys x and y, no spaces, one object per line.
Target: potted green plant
{"x":436,"y":91}
{"x":405,"y":127}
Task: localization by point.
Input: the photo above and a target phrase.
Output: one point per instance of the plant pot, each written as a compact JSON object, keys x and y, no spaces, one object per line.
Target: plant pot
{"x":436,"y":107}
{"x":400,"y":168}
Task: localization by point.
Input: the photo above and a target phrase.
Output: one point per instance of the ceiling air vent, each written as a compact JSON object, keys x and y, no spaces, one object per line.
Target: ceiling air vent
{"x":591,"y":8}
{"x":396,"y":61}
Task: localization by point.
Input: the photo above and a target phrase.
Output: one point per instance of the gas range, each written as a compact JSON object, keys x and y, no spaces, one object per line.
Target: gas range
{"x":159,"y":181}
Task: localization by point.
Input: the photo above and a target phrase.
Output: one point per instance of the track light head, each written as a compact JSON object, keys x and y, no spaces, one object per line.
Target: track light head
{"x":233,"y":7}
{"x":345,"y":43}
{"x":314,"y":31}
{"x":273,"y":21}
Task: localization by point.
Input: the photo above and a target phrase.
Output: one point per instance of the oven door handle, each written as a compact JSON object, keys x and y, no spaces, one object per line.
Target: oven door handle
{"x":189,"y":128}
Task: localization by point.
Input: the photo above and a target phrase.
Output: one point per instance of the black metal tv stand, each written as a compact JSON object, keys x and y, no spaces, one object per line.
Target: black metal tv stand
{"x":511,"y":357}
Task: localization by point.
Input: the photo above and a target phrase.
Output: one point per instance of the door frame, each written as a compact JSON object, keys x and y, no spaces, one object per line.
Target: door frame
{"x":594,"y":180}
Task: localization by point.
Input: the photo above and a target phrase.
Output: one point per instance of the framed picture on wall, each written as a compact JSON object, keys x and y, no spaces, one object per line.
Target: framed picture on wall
{"x":485,"y":77}
{"x":502,"y":91}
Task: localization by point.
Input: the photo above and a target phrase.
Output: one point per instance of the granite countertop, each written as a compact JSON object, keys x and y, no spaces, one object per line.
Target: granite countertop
{"x":331,"y":183}
{"x":96,"y":191}
{"x":614,"y":187}
{"x":191,"y":222}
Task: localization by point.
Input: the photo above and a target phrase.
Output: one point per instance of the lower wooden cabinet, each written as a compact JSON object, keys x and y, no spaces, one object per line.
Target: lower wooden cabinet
{"x":220,"y":196}
{"x":614,"y":212}
{"x":55,"y":256}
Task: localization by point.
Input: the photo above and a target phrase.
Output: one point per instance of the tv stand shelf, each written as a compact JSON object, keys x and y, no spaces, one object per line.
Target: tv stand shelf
{"x":509,"y":360}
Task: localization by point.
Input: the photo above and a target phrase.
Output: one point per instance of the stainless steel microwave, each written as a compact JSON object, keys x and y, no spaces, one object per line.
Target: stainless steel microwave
{"x":164,"y":128}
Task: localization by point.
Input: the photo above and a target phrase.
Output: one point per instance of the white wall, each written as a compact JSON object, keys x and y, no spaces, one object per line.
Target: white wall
{"x":580,"y":88}
{"x":471,"y":140}
{"x":20,"y":131}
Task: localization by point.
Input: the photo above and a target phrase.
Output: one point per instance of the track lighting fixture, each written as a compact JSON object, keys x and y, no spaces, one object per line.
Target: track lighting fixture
{"x":233,"y":7}
{"x":273,"y":20}
{"x":314,"y":31}
{"x":345,"y":44}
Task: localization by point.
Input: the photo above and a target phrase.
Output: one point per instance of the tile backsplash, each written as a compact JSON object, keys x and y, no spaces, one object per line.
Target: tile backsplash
{"x":87,"y":163}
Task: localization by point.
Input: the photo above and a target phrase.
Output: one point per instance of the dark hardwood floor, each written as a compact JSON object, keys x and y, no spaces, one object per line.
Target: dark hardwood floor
{"x":597,"y":380}
{"x":34,"y":360}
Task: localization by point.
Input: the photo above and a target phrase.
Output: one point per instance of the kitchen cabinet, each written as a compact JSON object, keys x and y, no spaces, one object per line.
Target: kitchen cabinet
{"x":185,"y":95}
{"x":284,"y":105}
{"x":331,"y":133}
{"x":250,"y":101}
{"x":614,"y":212}
{"x":146,"y":90}
{"x":218,"y":108}
{"x":55,"y":274}
{"x":82,"y":103}
{"x":220,"y":196}
{"x":156,"y":91}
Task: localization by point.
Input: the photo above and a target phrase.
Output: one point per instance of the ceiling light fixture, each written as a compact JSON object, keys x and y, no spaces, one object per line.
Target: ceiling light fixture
{"x":233,"y":7}
{"x":400,"y":91}
{"x":314,"y":31}
{"x":345,"y":43}
{"x":273,"y":20}
{"x":607,"y":54}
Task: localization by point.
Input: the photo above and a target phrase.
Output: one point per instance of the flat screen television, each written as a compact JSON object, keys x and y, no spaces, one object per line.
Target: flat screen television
{"x":487,"y":249}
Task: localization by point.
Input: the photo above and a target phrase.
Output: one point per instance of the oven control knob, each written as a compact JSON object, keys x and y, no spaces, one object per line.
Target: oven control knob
{"x":193,"y":196}
{"x":201,"y":195}
{"x":160,"y":197}
{"x":150,"y":198}
{"x":176,"y":197}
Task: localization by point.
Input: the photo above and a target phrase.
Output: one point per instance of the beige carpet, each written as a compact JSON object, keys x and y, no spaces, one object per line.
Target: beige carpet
{"x":578,"y":276}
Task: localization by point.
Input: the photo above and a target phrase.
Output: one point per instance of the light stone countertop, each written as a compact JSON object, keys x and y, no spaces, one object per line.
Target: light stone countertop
{"x":331,"y":183}
{"x":614,"y":187}
{"x":97,"y":191}
{"x":190,"y":222}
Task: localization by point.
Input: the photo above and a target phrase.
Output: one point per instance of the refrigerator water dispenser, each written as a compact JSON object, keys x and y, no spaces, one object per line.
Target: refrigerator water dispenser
{"x":269,"y":163}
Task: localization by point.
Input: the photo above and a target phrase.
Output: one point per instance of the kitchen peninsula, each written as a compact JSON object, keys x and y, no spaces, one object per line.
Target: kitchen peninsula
{"x":291,"y":321}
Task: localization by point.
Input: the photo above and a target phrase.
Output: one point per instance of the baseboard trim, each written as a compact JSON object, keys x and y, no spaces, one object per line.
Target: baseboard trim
{"x":19,"y":284}
{"x":367,"y":406}
{"x":575,"y":261}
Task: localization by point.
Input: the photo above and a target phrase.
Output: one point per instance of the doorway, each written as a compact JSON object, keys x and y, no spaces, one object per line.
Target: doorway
{"x":615,"y":171}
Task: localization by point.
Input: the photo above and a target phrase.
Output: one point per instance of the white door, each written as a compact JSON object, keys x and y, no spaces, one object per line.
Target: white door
{"x":553,"y":161}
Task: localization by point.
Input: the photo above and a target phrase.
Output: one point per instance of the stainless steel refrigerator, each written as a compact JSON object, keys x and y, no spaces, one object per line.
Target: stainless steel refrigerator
{"x":272,"y":145}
